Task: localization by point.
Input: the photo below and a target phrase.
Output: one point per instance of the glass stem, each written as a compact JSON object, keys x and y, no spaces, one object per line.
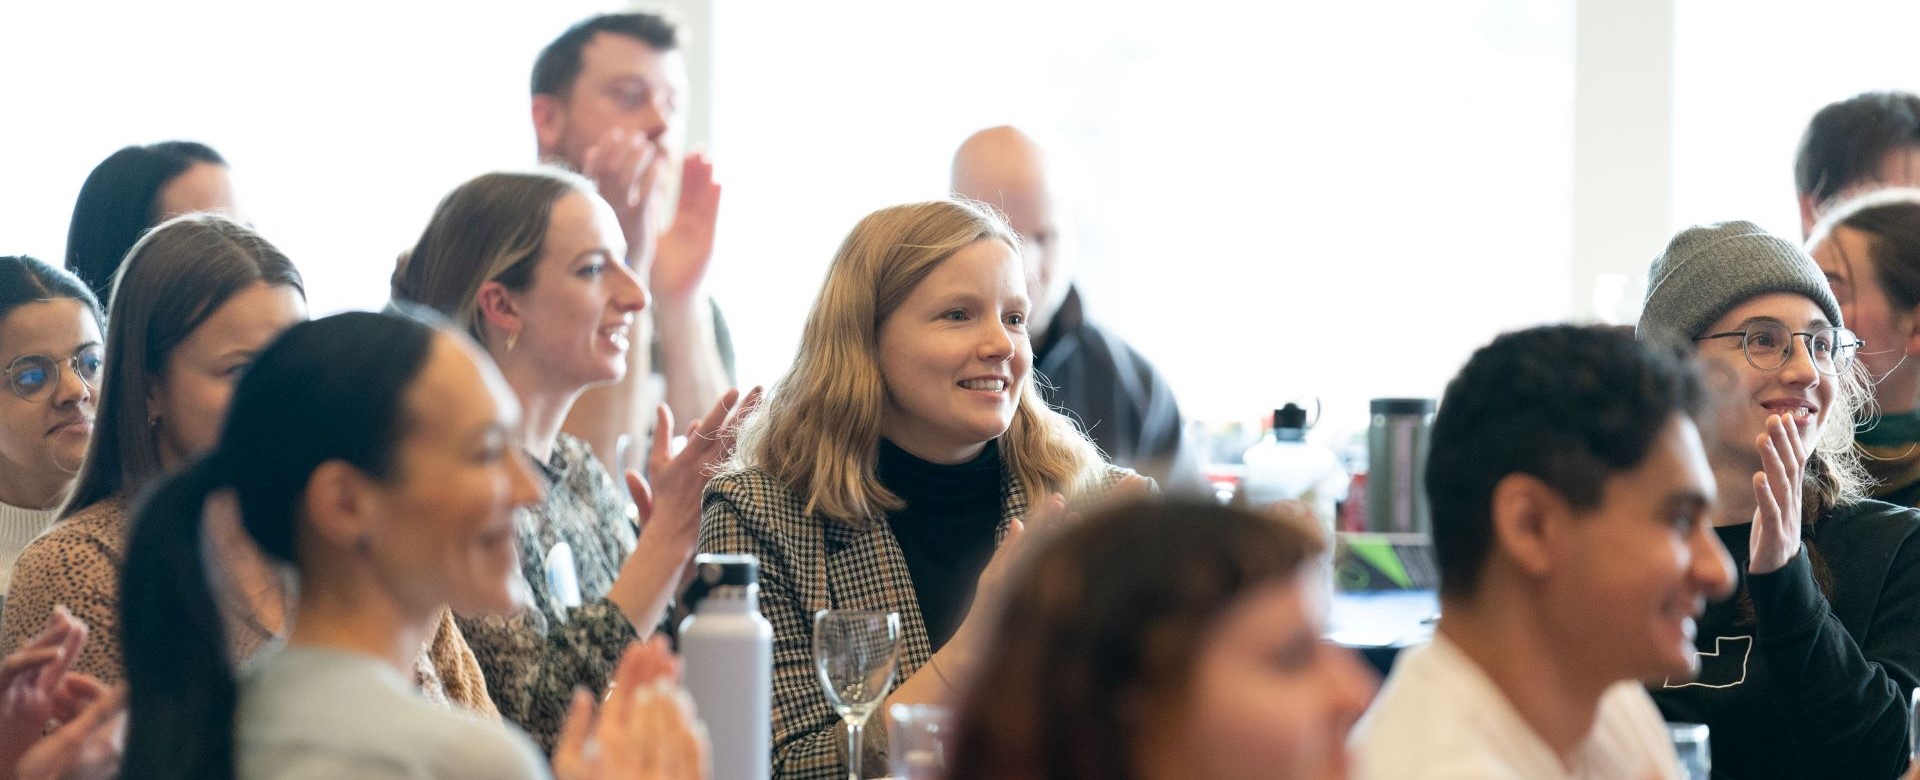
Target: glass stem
{"x":853,"y":750}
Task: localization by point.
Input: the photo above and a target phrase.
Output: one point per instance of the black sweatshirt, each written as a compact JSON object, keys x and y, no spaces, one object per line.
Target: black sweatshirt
{"x":1819,"y":687}
{"x":946,"y":530}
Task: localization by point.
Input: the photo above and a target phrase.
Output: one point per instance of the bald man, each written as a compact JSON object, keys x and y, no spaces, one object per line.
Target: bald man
{"x":1115,"y":394}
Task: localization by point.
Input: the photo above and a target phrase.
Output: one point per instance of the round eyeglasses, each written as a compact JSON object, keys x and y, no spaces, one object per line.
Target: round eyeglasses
{"x":1767,"y":346}
{"x":32,"y":376}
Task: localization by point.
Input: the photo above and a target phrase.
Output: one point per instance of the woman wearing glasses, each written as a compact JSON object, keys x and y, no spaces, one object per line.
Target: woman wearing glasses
{"x":199,"y":297}
{"x":1806,"y":672}
{"x":1870,"y":250}
{"x":50,"y":353}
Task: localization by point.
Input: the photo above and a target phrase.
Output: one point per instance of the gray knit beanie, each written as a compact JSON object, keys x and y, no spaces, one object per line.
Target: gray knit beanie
{"x":1707,"y":270}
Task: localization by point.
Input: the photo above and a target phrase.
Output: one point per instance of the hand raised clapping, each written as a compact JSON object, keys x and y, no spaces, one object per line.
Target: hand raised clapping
{"x":1776,"y":490}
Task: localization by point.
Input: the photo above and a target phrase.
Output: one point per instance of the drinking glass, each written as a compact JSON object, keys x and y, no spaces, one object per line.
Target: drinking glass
{"x":916,"y":743}
{"x":1913,"y":728}
{"x":1690,"y":742}
{"x":856,"y":652}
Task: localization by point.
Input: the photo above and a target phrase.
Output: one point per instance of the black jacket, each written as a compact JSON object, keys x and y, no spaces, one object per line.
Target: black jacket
{"x":1813,"y":687}
{"x":1121,"y":401}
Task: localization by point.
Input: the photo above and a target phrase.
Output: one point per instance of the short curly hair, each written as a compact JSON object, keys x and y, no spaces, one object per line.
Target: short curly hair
{"x":1567,"y":404}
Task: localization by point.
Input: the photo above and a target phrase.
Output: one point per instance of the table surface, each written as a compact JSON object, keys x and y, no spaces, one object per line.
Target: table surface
{"x":1394,"y":618}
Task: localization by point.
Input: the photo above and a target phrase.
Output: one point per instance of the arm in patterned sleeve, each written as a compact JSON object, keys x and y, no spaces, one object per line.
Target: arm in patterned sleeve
{"x":81,"y":571}
{"x":746,"y":514}
{"x":532,"y":668}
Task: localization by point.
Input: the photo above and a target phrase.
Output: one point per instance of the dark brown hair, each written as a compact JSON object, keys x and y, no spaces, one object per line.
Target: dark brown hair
{"x":176,"y":277}
{"x":1095,"y":651}
{"x":559,"y":63}
{"x":1891,"y":220}
{"x":488,"y":229}
{"x":1846,"y":142}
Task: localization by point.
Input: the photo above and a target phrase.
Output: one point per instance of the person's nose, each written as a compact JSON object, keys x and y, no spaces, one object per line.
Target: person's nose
{"x":1354,"y":684}
{"x":653,"y":121}
{"x":1800,"y":370}
{"x":996,"y":343}
{"x":1711,"y":567}
{"x":69,"y":389}
{"x":630,"y":294}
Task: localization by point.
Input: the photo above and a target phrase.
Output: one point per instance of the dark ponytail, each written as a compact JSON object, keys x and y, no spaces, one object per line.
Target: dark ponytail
{"x":173,"y":639}
{"x":332,"y":389}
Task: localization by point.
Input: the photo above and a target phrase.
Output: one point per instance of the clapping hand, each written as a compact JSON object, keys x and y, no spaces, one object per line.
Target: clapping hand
{"x":1776,"y":490}
{"x":646,"y":729}
{"x":37,"y":688}
{"x":684,"y":251}
{"x":680,"y":477}
{"x":625,"y":166}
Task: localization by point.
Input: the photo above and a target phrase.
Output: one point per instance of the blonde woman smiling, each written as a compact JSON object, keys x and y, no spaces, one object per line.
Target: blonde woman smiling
{"x":891,"y":467}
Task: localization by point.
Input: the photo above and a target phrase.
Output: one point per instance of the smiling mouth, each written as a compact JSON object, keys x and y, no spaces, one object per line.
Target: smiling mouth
{"x":1797,"y":412}
{"x":988,"y":385}
{"x":616,"y":334}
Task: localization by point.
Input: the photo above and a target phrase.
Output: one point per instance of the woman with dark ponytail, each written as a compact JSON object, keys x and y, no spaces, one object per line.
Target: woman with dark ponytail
{"x":386,"y":481}
{"x":199,"y":297}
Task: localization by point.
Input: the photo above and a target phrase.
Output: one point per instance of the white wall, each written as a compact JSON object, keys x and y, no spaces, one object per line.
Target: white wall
{"x":1276,"y":199}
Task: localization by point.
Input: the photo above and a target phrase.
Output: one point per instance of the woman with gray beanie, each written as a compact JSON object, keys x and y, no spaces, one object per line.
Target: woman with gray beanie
{"x":1807,"y":671}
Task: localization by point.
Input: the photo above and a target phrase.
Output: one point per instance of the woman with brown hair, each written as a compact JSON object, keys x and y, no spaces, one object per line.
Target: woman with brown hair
{"x":198,"y":298}
{"x":529,"y":263}
{"x":1869,"y":248}
{"x":894,"y":459}
{"x":1162,"y":642}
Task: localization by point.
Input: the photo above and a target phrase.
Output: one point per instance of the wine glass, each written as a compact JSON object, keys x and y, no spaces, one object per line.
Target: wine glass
{"x":856,"y":652}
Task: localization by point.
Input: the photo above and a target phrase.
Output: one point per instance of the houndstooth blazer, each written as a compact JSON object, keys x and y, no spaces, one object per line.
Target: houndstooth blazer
{"x":809,"y":563}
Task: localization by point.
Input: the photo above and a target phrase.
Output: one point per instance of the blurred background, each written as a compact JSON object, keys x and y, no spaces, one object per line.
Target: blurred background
{"x":1273,"y":201}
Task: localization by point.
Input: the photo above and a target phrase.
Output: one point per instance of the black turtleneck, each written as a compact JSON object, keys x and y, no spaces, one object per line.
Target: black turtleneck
{"x":946,"y":529}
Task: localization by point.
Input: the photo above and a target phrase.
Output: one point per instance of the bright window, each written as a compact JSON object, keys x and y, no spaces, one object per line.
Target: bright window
{"x":1341,"y":199}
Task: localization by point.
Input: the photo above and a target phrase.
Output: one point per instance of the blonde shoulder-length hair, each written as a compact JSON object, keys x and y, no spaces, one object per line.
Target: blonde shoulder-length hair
{"x":818,"y":432}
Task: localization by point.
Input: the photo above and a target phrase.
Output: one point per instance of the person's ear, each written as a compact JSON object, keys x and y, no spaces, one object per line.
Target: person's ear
{"x":549,"y":123}
{"x":342,"y":505}
{"x":498,"y":310}
{"x":1526,"y":515}
{"x":1908,"y":321}
{"x":154,"y":403}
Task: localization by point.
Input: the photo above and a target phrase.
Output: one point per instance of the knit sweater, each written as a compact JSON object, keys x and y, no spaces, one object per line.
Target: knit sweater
{"x":18,"y":526}
{"x":1817,"y":684}
{"x":946,"y":530}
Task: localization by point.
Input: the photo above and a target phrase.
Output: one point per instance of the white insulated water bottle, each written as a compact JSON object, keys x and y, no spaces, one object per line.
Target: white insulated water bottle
{"x":726,"y":652}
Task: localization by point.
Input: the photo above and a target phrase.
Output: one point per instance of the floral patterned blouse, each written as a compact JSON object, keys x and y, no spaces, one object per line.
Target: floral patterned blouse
{"x":572,"y":635}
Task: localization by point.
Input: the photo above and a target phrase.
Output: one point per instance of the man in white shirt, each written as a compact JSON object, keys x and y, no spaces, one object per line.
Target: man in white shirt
{"x":1569,"y":492}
